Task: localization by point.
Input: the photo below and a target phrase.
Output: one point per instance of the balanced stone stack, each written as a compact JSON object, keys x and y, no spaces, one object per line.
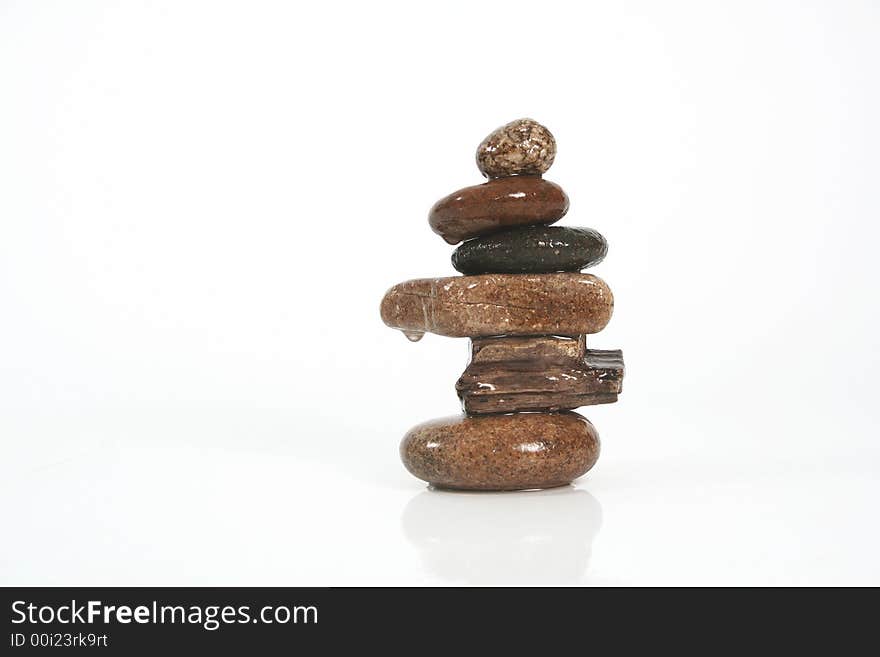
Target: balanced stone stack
{"x":527,"y":308}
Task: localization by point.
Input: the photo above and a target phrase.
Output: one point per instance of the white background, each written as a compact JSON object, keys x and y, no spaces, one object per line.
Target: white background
{"x":202,"y":203}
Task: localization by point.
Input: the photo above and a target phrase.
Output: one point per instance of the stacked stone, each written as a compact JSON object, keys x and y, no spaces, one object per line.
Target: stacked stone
{"x":527,"y":308}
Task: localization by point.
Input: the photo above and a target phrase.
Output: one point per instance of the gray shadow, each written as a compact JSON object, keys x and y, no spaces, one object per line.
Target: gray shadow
{"x":538,"y":537}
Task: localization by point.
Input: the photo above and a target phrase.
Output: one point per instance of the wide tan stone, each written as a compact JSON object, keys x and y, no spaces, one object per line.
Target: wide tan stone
{"x":499,"y":304}
{"x":501,"y":452}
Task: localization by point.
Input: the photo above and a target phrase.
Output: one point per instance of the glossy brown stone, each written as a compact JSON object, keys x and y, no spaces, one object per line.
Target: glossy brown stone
{"x":501,"y":452}
{"x":521,"y":147}
{"x":496,"y":205}
{"x":538,"y":374}
{"x":500,"y":304}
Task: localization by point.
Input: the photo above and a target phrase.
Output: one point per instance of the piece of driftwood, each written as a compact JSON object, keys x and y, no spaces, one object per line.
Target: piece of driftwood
{"x":538,"y":374}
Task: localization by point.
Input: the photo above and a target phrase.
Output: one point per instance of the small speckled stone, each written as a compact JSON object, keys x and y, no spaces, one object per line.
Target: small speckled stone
{"x":522,"y":147}
{"x":531,"y":250}
{"x":496,"y":205}
{"x":500,"y":304}
{"x":501,"y":452}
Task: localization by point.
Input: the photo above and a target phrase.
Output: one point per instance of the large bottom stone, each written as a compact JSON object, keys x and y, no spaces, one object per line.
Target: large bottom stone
{"x":501,"y":452}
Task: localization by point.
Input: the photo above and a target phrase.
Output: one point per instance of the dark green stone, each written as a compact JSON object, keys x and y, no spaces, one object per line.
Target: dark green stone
{"x":531,"y":250}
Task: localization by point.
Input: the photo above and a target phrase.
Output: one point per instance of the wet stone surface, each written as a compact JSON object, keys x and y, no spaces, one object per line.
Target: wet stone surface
{"x":501,"y":452}
{"x":499,"y":304}
{"x":531,"y":250}
{"x":496,"y":205}
{"x":521,"y":147}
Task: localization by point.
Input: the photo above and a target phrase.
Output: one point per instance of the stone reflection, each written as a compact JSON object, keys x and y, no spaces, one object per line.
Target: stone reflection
{"x":539,"y":537}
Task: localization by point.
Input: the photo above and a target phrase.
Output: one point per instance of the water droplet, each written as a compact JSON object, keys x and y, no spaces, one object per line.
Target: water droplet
{"x":414,"y":336}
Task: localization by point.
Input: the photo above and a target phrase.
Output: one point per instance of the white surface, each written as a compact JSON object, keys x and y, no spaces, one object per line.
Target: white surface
{"x":192,"y":393}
